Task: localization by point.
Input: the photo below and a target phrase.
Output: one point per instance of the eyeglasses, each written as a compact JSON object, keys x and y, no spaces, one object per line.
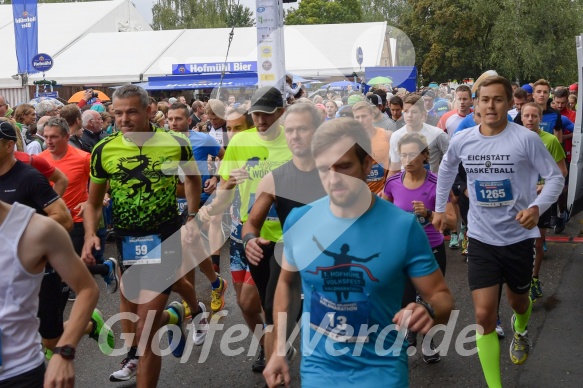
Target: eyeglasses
{"x":411,"y":155}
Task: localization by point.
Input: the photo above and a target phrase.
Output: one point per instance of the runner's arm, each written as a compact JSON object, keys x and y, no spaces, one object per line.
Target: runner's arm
{"x":434,"y":291}
{"x":192,"y":186}
{"x":60,"y":181}
{"x":58,"y":211}
{"x":264,"y":198}
{"x":225,"y":194}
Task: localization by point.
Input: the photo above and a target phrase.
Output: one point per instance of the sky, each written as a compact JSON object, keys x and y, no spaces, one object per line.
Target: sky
{"x":145,"y":7}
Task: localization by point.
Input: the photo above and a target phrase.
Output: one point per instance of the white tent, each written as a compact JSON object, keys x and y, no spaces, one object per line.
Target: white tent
{"x":62,"y":24}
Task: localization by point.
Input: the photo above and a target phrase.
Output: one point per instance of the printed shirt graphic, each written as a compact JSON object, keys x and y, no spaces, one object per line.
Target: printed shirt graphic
{"x":259,"y":157}
{"x":143,"y":179}
{"x":512,"y":161}
{"x":380,"y":167}
{"x":361,"y":273}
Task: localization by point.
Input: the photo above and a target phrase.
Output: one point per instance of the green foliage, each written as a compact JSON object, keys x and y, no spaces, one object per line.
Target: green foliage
{"x":178,"y":14}
{"x":325,"y":12}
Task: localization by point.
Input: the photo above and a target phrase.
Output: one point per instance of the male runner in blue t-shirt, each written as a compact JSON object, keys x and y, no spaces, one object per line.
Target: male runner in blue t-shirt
{"x":352,"y":278}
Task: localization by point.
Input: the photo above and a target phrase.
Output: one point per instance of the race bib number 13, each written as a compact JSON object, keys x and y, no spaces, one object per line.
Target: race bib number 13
{"x":142,"y":250}
{"x":340,"y":321}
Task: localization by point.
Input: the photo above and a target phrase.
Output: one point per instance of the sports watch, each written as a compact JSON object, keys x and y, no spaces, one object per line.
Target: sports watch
{"x":65,"y":351}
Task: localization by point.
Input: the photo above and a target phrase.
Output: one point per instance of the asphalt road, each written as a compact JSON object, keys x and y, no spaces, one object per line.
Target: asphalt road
{"x":553,"y":362}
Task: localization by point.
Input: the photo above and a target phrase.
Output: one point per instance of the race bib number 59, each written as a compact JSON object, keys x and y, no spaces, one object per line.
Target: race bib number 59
{"x":142,"y":250}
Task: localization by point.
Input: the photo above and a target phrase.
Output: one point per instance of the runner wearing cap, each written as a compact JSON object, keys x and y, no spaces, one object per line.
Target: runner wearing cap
{"x":251,"y":155}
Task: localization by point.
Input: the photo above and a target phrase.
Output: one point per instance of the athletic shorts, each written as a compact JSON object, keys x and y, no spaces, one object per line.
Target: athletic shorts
{"x":239,"y":265}
{"x":490,"y":265}
{"x":157,"y":277}
{"x":410,"y":294}
{"x":33,"y":378}
{"x":544,"y":221}
{"x":51,"y":304}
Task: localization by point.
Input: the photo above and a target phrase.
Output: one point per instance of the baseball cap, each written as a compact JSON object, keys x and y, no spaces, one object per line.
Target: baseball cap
{"x":527,"y":87}
{"x":7,"y":131}
{"x":429,"y":94}
{"x":574,"y":87}
{"x":172,"y":100}
{"x":375,"y":99}
{"x":354,"y":99}
{"x":266,"y":100}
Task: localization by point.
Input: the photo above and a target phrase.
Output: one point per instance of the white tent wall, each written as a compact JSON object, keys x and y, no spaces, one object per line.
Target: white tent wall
{"x":61,"y":24}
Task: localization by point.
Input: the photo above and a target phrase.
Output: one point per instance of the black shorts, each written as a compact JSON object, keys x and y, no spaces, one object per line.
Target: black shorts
{"x":33,"y":378}
{"x":51,"y":304}
{"x":410,"y":293}
{"x":157,"y":277}
{"x":490,"y":265}
{"x":544,"y":221}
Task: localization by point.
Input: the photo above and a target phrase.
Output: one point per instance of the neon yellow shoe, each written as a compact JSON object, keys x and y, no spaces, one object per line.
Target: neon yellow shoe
{"x":106,"y":342}
{"x":187,"y":312}
{"x":218,"y":296}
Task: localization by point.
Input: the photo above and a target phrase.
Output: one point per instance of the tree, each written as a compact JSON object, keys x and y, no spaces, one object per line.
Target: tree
{"x":178,"y":14}
{"x":325,"y":12}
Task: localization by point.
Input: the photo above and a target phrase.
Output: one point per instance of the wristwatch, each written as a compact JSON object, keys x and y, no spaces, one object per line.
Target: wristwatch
{"x":65,"y":351}
{"x":246,"y":238}
{"x":427,"y":307}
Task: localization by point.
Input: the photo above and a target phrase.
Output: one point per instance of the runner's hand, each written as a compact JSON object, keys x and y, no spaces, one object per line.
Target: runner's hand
{"x":91,"y":242}
{"x":81,"y":208}
{"x":276,"y":370}
{"x":210,"y":185}
{"x":438,"y":222}
{"x":60,"y":373}
{"x":240,"y":175}
{"x":528,"y":218}
{"x":414,"y":317}
{"x":203,"y":214}
{"x":88,"y":95}
{"x":253,"y":250}
{"x":419,"y":208}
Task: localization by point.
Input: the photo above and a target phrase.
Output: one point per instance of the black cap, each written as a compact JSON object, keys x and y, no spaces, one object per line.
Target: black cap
{"x":7,"y":131}
{"x":266,"y":100}
{"x":375,"y":99}
{"x":429,"y":93}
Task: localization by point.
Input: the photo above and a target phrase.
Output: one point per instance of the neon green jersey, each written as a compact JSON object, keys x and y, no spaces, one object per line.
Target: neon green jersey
{"x":142,"y":179}
{"x":259,"y":157}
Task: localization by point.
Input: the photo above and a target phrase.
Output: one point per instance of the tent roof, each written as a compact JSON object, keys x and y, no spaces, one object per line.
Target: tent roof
{"x":61,"y":24}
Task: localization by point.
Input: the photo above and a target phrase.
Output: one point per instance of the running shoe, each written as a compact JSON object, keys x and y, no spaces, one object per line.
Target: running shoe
{"x":106,"y":342}
{"x":112,"y":277}
{"x":178,"y":309}
{"x":259,"y":364}
{"x":430,"y":354}
{"x":72,"y":296}
{"x":454,"y":241}
{"x":218,"y":296}
{"x":202,"y":327}
{"x":187,"y":312}
{"x":520,"y":345}
{"x":411,"y":338}
{"x":291,"y":354}
{"x":553,"y":221}
{"x":499,"y":329}
{"x":536,"y":290}
{"x":561,"y":223}
{"x":129,"y":368}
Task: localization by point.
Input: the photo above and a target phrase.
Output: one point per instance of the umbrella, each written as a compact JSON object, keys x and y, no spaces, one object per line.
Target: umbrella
{"x":79,"y":95}
{"x":55,"y":102}
{"x":340,"y":85}
{"x":380,"y":81}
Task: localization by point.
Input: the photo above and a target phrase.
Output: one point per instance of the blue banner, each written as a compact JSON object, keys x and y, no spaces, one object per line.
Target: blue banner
{"x":215,"y":67}
{"x":25,"y":33}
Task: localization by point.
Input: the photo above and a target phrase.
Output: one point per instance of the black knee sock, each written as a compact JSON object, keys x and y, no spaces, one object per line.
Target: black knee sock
{"x":216,"y":259}
{"x":132,"y":352}
{"x":98,"y":269}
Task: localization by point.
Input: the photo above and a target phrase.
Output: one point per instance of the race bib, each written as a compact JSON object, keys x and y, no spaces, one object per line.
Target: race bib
{"x":376,"y":174}
{"x":494,"y":193}
{"x":142,"y":250}
{"x":182,"y":204}
{"x":339,"y":321}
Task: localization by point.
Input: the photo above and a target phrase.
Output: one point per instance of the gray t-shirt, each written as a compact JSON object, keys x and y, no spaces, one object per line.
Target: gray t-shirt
{"x":437,"y":140}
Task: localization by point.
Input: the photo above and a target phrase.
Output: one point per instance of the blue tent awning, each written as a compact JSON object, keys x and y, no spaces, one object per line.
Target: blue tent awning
{"x":200,"y":81}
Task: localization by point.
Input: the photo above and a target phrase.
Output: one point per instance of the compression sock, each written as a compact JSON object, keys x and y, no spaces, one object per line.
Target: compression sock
{"x":489,"y":354}
{"x":98,"y":269}
{"x":172,"y":316}
{"x":522,"y":319}
{"x":132,"y":354}
{"x":216,"y":284}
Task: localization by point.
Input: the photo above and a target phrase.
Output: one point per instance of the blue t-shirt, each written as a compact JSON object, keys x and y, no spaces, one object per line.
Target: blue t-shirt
{"x":203,"y":145}
{"x":353,"y":275}
{"x":469,"y":122}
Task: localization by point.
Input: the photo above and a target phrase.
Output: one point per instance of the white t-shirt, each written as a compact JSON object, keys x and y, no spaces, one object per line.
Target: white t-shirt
{"x":437,"y":140}
{"x":502,"y":173}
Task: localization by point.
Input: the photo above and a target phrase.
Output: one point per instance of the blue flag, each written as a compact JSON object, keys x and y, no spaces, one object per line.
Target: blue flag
{"x":25,"y":33}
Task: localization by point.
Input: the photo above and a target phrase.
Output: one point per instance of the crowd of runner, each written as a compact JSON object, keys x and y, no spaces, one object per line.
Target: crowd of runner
{"x":485,"y":165}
